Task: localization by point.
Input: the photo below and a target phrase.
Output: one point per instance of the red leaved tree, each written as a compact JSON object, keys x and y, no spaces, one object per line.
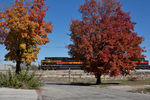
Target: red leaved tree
{"x":105,"y":39}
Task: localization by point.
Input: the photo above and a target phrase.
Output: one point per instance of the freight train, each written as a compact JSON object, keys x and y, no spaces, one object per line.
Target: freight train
{"x":65,"y":63}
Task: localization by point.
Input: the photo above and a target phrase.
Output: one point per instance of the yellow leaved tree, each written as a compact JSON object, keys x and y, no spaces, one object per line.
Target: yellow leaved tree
{"x":24,"y":29}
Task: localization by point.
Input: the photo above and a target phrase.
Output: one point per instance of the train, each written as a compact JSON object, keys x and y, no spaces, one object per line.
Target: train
{"x":65,"y":63}
{"x":60,"y":63}
{"x":142,"y":64}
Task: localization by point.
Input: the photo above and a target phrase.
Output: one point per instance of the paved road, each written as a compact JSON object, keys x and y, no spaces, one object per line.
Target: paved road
{"x":54,"y":91}
{"x":17,"y":94}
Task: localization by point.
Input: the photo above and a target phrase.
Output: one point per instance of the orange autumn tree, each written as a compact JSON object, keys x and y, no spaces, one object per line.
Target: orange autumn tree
{"x":26,"y":30}
{"x":3,"y":31}
{"x":104,"y":39}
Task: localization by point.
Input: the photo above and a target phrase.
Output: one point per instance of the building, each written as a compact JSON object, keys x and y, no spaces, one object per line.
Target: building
{"x":5,"y":66}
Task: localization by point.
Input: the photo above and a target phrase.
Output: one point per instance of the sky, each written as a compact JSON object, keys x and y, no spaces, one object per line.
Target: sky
{"x":61,"y":12}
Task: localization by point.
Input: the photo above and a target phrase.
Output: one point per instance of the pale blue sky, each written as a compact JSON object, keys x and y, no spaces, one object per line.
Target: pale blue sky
{"x":62,"y":11}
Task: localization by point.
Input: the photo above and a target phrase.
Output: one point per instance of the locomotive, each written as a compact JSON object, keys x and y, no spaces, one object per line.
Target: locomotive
{"x":65,"y":63}
{"x":60,"y":63}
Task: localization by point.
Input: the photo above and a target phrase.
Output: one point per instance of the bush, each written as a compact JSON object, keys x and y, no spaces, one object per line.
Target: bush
{"x":133,"y":79}
{"x":25,"y":80}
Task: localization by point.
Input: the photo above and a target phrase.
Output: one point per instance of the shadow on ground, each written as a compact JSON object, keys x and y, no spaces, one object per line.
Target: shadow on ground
{"x":78,"y":84}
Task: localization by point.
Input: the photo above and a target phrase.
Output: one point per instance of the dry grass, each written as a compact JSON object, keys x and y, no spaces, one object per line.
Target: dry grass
{"x":114,"y":83}
{"x":127,"y":82}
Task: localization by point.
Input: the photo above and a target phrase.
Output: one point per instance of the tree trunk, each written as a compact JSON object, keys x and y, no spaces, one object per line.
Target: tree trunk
{"x":98,"y":79}
{"x":18,"y":67}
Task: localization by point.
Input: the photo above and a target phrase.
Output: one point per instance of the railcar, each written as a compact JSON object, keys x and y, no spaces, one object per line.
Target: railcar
{"x":142,"y":64}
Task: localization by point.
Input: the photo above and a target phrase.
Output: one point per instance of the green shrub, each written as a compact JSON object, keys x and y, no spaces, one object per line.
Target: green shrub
{"x":25,"y":80}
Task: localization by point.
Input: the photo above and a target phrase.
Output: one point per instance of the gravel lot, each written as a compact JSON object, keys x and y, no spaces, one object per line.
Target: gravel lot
{"x":59,"y":91}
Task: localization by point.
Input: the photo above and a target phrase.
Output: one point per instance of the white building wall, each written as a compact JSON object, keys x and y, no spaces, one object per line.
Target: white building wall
{"x":4,"y":66}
